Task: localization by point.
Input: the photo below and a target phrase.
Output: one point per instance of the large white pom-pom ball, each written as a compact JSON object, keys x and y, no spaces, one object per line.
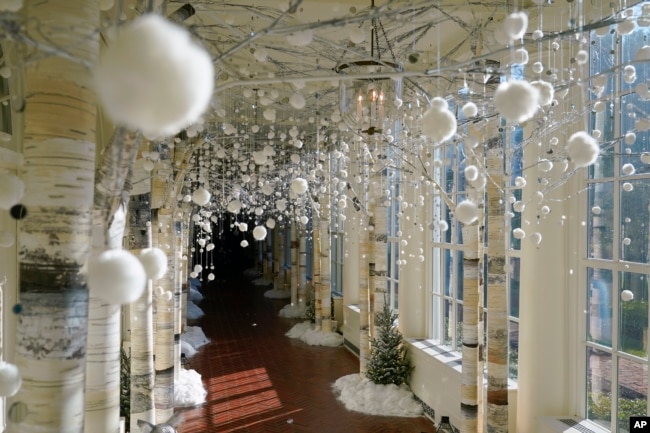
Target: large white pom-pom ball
{"x":582,"y":149}
{"x":10,"y":380}
{"x":299,"y":185}
{"x":297,"y":101}
{"x":153,"y":77}
{"x":517,"y":100}
{"x":234,"y":206}
{"x":627,"y":295}
{"x":201,"y":196}
{"x":154,"y":261}
{"x":466,"y":212}
{"x":439,"y":123}
{"x":116,"y":276}
{"x":259,"y":233}
{"x":12,"y":190}
{"x":515,"y":25}
{"x":546,"y":92}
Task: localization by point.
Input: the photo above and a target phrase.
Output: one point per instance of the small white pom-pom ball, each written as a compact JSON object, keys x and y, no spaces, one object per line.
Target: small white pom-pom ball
{"x":518,"y":233}
{"x":201,"y":196}
{"x":357,"y":35}
{"x":628,"y":169}
{"x":116,"y":276}
{"x":244,"y":243}
{"x":297,"y":101}
{"x":154,"y":77}
{"x":234,"y":206}
{"x":154,"y":261}
{"x":466,"y":212}
{"x":627,"y":295}
{"x":471,"y":173}
{"x":520,"y":56}
{"x":12,"y":190}
{"x":10,"y":380}
{"x":582,"y":149}
{"x":259,"y":233}
{"x":270,"y":223}
{"x":470,"y":109}
{"x":515,"y":25}
{"x":516,"y":101}
{"x":299,"y":185}
{"x":536,"y":238}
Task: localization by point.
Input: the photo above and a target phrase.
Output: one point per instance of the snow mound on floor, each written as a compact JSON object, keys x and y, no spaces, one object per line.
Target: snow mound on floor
{"x":307,"y":332}
{"x":293,"y":311}
{"x":251,"y":274}
{"x":262,"y":282}
{"x":360,"y":394}
{"x":188,"y":389}
{"x":277,"y":294}
{"x":194,"y":295}
{"x":194,"y":312}
{"x":192,"y":340}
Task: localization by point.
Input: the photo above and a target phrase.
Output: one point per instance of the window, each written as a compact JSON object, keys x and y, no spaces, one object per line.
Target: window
{"x":337,"y":234}
{"x":616,"y":267}
{"x":393,"y":232}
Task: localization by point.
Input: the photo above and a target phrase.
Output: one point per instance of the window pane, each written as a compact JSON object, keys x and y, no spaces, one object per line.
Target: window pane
{"x":435,"y":318}
{"x":459,"y":326}
{"x":634,"y":220}
{"x":513,"y":281}
{"x":513,"y":354}
{"x":601,"y":220}
{"x":395,"y":295}
{"x":599,"y":392}
{"x":633,"y":108}
{"x":599,"y":320}
{"x":632,"y":392}
{"x":447,"y":269}
{"x":633,"y":314}
{"x":449,"y":320}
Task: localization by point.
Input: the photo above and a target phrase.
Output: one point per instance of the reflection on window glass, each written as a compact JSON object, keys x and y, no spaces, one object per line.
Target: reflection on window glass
{"x":633,"y":314}
{"x":599,"y":389}
{"x":632,"y":392}
{"x":599,"y":302}
{"x":634,"y":220}
{"x":601,"y":220}
{"x":513,"y":350}
{"x":514,"y":286}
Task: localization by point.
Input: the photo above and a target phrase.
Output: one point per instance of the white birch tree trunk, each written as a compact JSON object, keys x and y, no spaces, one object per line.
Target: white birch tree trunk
{"x":302,"y":281}
{"x":378,"y":254}
{"x":164,"y":323}
{"x":325,"y":286}
{"x":295,"y":273}
{"x":104,"y":343}
{"x":54,"y":237}
{"x":497,"y":300}
{"x":141,"y":317}
{"x":364,"y":296}
{"x":316,"y":268}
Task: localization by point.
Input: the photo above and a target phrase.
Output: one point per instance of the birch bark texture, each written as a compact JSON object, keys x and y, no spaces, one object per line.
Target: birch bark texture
{"x":104,"y":342}
{"x":497,"y":320}
{"x":325,"y":286}
{"x":54,"y":237}
{"x":141,"y":319}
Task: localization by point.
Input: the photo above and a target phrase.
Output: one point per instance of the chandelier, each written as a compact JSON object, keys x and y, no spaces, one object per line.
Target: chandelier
{"x":363,"y":101}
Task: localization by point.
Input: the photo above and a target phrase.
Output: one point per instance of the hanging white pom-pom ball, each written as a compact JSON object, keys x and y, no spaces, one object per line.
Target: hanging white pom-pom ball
{"x":357,"y":35}
{"x":154,"y":77}
{"x":244,"y":243}
{"x":304,"y":219}
{"x":582,"y":149}
{"x":518,"y":233}
{"x":628,"y":169}
{"x":515,"y":25}
{"x":517,"y":100}
{"x":154,"y":261}
{"x":116,"y":276}
{"x":466,"y":212}
{"x":627,"y":295}
{"x":536,"y":238}
{"x":259,"y":233}
{"x":439,"y":123}
{"x":234,"y":206}
{"x":270,"y":223}
{"x":297,"y":101}
{"x":546,"y":92}
{"x":299,"y":185}
{"x":471,"y":173}
{"x":12,"y":190}
{"x":201,"y":196}
{"x":10,"y":380}
{"x":470,"y":109}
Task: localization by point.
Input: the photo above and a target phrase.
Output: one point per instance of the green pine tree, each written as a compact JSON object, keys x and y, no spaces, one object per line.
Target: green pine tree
{"x":388,"y":362}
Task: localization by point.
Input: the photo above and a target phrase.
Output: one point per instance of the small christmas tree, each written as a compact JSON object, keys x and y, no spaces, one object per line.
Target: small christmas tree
{"x":388,"y":363}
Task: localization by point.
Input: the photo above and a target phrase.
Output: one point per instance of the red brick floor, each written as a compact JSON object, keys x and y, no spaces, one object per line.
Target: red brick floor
{"x":259,"y":380}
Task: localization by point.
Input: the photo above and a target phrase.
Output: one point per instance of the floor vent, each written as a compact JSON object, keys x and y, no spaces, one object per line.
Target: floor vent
{"x":567,"y":424}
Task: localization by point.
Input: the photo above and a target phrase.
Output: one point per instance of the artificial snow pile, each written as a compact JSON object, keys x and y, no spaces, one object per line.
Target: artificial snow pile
{"x":188,"y":389}
{"x":251,"y":274}
{"x":192,"y":340}
{"x":360,"y":394}
{"x":293,"y":311}
{"x":262,"y":282}
{"x":194,"y":312}
{"x":194,"y":295}
{"x":308,"y":333}
{"x":277,"y":294}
